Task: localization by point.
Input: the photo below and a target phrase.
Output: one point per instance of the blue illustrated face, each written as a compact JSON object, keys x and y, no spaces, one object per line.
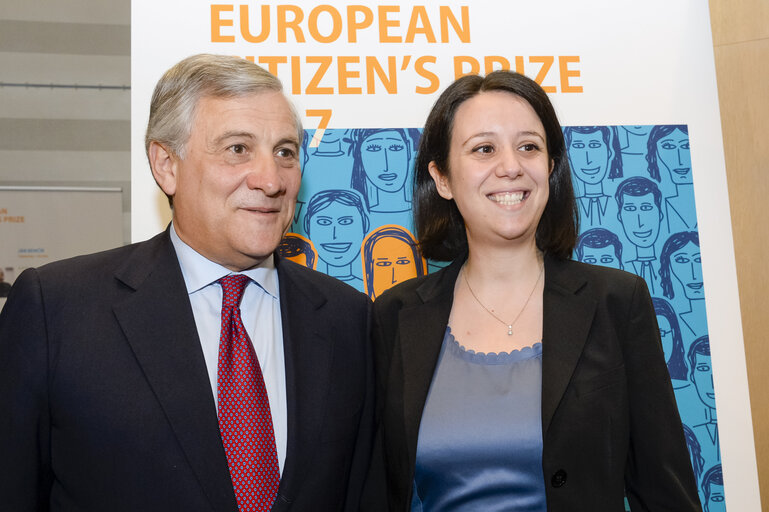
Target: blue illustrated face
{"x":589,"y":156}
{"x":639,"y":130}
{"x":666,"y":333}
{"x":673,"y":152}
{"x":686,"y":265}
{"x":640,"y":218}
{"x":385,"y":160}
{"x":703,"y":380}
{"x":337,"y":232}
{"x":600,"y":256}
{"x":716,"y":502}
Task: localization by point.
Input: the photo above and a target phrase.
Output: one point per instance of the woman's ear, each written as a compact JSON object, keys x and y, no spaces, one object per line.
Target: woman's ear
{"x":164,"y":167}
{"x":441,"y":181}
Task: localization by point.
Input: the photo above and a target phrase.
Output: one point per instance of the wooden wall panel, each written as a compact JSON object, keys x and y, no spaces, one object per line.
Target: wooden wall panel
{"x":741,"y":48}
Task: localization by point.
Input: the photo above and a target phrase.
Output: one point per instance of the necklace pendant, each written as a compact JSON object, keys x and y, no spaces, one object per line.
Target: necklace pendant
{"x":509,"y":330}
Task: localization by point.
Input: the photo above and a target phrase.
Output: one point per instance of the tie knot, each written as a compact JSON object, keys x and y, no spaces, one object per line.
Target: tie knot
{"x":233,"y":286}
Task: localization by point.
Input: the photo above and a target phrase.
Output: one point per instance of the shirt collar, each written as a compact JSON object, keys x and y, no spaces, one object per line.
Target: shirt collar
{"x":199,"y":272}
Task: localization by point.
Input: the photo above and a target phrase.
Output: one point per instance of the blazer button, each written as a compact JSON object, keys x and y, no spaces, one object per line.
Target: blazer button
{"x":559,"y":478}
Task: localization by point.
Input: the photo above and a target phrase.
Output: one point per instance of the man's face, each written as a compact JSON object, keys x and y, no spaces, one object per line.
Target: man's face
{"x":235,"y":189}
{"x":640,"y":217}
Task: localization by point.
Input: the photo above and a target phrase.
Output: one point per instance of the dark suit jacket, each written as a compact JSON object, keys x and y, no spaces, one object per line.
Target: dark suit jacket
{"x":105,"y":403}
{"x":609,"y":418}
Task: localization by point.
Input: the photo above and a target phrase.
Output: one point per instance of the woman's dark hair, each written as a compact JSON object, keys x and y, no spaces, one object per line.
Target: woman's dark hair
{"x":655,"y":135}
{"x":676,"y":363}
{"x":439,"y":225}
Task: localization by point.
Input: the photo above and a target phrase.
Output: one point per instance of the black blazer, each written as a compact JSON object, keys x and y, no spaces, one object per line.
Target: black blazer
{"x":105,"y":402}
{"x":609,"y":418}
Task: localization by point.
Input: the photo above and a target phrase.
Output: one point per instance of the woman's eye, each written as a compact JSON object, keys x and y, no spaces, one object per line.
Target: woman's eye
{"x":486,"y":148}
{"x":373,"y":147}
{"x":529,"y":147}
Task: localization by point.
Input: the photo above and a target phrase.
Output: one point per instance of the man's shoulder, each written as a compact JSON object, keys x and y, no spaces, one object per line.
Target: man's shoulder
{"x":332,"y":288}
{"x":89,"y":267}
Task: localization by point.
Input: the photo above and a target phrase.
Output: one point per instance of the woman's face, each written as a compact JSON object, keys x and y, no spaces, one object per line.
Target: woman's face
{"x":673,"y":152}
{"x":666,"y":333}
{"x":498,"y":168}
{"x":686,"y":265}
{"x":385,"y":159}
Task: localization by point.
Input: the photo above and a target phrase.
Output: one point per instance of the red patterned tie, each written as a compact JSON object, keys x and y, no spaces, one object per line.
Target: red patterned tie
{"x":244,"y":409}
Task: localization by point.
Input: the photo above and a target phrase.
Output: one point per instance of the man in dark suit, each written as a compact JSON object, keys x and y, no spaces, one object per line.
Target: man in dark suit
{"x":114,"y":393}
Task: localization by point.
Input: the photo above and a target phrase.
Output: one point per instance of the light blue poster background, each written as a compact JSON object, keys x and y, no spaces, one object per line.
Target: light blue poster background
{"x":634,"y":189}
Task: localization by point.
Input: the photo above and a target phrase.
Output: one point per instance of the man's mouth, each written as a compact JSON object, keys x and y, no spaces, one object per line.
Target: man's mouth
{"x":642,"y":234}
{"x":592,"y":171}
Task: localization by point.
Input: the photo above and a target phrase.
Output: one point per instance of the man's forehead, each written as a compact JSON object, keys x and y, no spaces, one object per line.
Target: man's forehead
{"x":263,"y":108}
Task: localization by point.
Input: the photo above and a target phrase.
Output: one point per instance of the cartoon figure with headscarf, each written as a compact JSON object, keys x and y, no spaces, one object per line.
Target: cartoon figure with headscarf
{"x":390,"y":255}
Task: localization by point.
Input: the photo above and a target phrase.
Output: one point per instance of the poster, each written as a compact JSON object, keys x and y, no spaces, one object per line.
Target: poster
{"x":634,"y":87}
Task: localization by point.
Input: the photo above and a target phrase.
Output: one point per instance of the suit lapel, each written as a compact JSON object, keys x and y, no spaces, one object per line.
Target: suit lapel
{"x":158,"y":322}
{"x":566,"y":324}
{"x":308,"y":355}
{"x":421,"y":329}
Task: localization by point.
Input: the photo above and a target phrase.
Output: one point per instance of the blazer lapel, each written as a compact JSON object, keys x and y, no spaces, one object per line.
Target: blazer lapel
{"x":158,"y":322}
{"x":421,"y":329}
{"x":566,"y":324}
{"x":308,"y":355}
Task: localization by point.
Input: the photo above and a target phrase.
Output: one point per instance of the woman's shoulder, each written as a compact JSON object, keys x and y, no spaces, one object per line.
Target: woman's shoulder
{"x":601,"y":280}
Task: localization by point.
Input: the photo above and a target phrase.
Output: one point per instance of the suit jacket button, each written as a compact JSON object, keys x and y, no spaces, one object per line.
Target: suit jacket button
{"x":559,"y":478}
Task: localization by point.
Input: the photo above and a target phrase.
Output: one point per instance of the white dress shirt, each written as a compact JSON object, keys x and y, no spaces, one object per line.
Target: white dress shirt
{"x":260,"y":307}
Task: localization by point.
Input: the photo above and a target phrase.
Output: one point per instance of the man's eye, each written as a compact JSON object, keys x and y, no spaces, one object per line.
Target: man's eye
{"x":629,"y":208}
{"x":595,"y":145}
{"x":403,"y":261}
{"x":323,"y":222}
{"x":286,"y":153}
{"x":383,"y":264}
{"x":607,"y":259}
{"x":238,"y":149}
{"x":346,"y":221}
{"x":589,"y":259}
{"x":578,"y":145}
{"x":646,"y":207}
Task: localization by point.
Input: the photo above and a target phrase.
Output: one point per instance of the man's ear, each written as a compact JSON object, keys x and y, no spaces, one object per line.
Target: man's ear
{"x":164,"y":166}
{"x":441,"y":181}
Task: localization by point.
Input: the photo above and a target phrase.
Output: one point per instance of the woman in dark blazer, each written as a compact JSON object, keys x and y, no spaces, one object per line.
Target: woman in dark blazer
{"x":515,"y":378}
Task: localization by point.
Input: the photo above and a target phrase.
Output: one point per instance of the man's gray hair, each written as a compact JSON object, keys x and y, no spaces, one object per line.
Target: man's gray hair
{"x":178,"y":92}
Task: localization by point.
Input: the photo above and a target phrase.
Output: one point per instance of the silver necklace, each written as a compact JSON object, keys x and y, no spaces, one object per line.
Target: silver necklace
{"x":508,"y":324}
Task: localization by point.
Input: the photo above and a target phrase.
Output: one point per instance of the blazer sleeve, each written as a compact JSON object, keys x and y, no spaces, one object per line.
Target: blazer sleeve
{"x":25,"y":472}
{"x":659,"y":475}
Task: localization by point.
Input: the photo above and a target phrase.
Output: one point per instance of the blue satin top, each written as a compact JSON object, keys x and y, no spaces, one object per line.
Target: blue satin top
{"x":480,"y":438}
